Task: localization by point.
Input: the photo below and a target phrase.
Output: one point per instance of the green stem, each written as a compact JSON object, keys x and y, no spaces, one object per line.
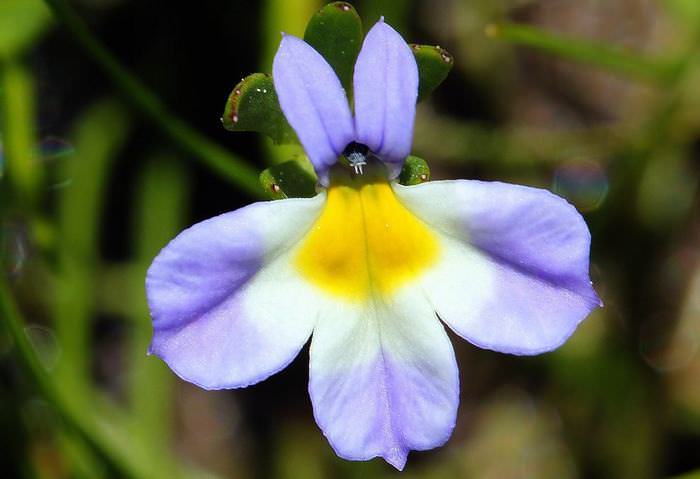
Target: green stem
{"x":217,"y":158}
{"x":593,"y":53}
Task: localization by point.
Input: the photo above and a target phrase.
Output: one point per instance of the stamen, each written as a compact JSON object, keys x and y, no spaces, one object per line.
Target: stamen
{"x":356,"y":154}
{"x":357,"y":160}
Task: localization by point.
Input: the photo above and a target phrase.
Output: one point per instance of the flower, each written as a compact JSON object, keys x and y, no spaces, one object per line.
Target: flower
{"x":368,"y":268}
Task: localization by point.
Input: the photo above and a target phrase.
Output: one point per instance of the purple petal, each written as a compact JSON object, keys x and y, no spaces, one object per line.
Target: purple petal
{"x":314,"y":102}
{"x":220,"y":295}
{"x":514,"y":277}
{"x":383,"y":378}
{"x":386,"y":90}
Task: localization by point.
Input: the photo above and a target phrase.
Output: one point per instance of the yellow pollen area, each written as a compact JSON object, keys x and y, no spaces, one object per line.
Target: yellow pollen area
{"x":365,"y":242}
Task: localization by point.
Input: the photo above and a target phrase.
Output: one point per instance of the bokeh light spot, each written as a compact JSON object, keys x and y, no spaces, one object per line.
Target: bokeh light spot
{"x":584,"y":183}
{"x":14,"y":249}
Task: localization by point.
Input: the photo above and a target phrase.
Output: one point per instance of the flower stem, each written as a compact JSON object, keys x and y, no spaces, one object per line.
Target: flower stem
{"x":212,"y":155}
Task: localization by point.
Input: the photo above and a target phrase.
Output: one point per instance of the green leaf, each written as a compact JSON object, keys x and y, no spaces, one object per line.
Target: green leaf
{"x":253,"y":106}
{"x":335,"y":32}
{"x":434,"y":63}
{"x":414,"y":172}
{"x":291,"y":179}
{"x":21,"y":22}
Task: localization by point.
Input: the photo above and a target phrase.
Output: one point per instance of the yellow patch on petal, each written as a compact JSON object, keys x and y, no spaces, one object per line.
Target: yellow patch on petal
{"x":365,"y":242}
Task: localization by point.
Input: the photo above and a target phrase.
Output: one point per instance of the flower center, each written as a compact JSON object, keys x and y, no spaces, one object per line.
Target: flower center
{"x":356,"y":154}
{"x":365,"y":243}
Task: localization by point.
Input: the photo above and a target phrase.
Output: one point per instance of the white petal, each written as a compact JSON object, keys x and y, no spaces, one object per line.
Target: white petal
{"x":383,"y":377}
{"x":229,"y":308}
{"x":513,"y":276}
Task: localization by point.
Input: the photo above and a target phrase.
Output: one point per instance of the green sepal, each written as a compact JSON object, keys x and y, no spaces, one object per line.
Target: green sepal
{"x":335,"y":31}
{"x":253,"y":106}
{"x":291,"y":179}
{"x":414,"y":172}
{"x":434,"y":63}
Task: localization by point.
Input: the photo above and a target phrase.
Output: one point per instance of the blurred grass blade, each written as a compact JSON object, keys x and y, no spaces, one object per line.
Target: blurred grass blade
{"x":253,"y":106}
{"x":291,"y":179}
{"x":100,"y":134}
{"x":18,"y":136}
{"x":689,"y":475}
{"x":434,"y":64}
{"x":289,"y":16}
{"x":159,"y":216}
{"x":21,"y":22}
{"x":605,"y":56}
{"x":82,"y":460}
{"x":98,"y":139}
{"x":335,"y":32}
{"x":217,"y":158}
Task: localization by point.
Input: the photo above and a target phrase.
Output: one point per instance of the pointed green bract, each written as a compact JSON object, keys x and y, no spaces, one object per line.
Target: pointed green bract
{"x":335,"y":32}
{"x":434,"y":63}
{"x":253,"y":106}
{"x":414,"y":172}
{"x":291,"y":179}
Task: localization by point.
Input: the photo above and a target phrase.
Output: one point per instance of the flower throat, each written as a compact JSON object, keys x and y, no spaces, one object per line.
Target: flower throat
{"x":356,"y":154}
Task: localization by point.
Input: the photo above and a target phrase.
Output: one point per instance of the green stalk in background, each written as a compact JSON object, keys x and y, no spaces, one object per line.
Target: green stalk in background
{"x":395,"y":12}
{"x":288,"y":16}
{"x":100,"y":134}
{"x":605,"y":56}
{"x":160,"y":214}
{"x":18,"y":135}
{"x":690,"y":475}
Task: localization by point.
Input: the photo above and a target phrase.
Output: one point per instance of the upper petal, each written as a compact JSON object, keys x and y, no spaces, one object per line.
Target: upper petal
{"x":313,"y":101}
{"x":386,"y":90}
{"x":220,"y":295}
{"x":383,"y":377}
{"x":514,"y":273}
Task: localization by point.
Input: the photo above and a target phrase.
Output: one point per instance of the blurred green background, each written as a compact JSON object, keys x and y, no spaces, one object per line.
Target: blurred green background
{"x":111,"y":143}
